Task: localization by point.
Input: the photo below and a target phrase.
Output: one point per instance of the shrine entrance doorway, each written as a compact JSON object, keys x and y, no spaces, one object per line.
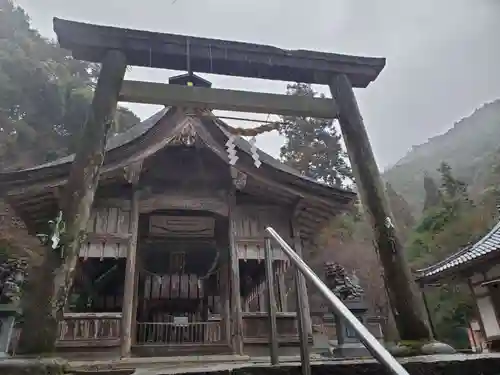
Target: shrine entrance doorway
{"x":180,"y":302}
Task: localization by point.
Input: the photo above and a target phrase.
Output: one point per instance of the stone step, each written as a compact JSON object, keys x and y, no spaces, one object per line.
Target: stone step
{"x":470,"y":364}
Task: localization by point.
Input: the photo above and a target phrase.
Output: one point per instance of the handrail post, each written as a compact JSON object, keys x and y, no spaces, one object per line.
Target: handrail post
{"x":370,"y":342}
{"x":271,"y":303}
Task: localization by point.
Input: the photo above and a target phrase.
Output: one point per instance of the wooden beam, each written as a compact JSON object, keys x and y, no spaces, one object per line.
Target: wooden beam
{"x":406,"y":304}
{"x":227,"y":100}
{"x":213,"y":56}
{"x":129,"y":288}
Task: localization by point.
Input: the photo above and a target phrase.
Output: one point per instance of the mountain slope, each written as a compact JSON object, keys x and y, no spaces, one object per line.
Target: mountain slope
{"x":469,"y":147}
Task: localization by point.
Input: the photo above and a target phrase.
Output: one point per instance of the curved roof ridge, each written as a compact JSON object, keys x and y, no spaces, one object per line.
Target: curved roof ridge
{"x":477,"y":250}
{"x":113,"y":142}
{"x":141,"y":129}
{"x":245,"y":146}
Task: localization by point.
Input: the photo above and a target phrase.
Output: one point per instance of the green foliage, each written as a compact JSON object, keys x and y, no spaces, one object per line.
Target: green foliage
{"x":432,"y":194}
{"x":313,"y":145}
{"x":470,"y":147}
{"x":450,"y":186}
{"x":449,"y":225}
{"x":44,"y":94}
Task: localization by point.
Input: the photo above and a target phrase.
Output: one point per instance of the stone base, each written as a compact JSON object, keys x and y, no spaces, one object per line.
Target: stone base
{"x":409,"y":349}
{"x":429,"y":365}
{"x":349,"y":350}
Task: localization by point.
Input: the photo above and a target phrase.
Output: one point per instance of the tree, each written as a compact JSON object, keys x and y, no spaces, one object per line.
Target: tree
{"x":45,"y":97}
{"x":44,"y":94}
{"x":449,"y":225}
{"x":450,"y":186}
{"x":432,"y":193}
{"x":312,"y":145}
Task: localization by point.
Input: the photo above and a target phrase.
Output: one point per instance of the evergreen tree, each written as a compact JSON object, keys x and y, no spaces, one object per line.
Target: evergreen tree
{"x":433,"y":196}
{"x":312,"y":145}
{"x":44,"y":94}
{"x":450,"y":186}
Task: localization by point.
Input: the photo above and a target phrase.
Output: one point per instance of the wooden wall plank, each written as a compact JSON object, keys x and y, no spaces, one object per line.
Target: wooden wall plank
{"x":107,"y":220}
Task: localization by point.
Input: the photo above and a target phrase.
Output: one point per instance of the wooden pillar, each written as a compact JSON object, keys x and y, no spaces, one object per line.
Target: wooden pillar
{"x":271,"y":303}
{"x":225,"y":295}
{"x":403,"y":295}
{"x":476,"y":308}
{"x":135,"y":305}
{"x":48,"y":291}
{"x":303,"y":312}
{"x":302,"y":287}
{"x":236,"y":313}
{"x":130,"y":278}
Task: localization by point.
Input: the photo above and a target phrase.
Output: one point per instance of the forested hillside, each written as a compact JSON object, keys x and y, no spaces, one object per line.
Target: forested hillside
{"x":44,"y":94}
{"x":470,"y":148}
{"x":44,"y":98}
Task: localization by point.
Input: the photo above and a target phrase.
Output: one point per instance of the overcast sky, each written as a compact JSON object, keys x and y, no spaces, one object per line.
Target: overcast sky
{"x":443,"y":56}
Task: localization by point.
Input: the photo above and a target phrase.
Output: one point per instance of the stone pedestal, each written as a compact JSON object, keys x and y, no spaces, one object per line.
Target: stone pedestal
{"x":8,"y":315}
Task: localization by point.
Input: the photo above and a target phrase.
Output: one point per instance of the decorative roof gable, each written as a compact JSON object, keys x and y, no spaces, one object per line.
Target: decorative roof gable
{"x":489,"y":245}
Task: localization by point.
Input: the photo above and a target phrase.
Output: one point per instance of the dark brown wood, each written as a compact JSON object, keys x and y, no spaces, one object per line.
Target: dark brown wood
{"x":403,"y":295}
{"x":129,"y":287}
{"x":271,"y":304}
{"x":236,"y":313}
{"x":41,"y":321}
{"x":169,"y":51}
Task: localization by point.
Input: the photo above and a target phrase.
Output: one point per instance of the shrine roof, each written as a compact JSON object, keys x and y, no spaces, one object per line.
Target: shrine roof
{"x":120,"y":142}
{"x":170,"y":51}
{"x":464,"y":260}
{"x":33,"y":192}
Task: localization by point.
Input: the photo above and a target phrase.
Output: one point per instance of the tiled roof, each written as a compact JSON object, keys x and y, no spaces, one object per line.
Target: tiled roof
{"x":486,"y":245}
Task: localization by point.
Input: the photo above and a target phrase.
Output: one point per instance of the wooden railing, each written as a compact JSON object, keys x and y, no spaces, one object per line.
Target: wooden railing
{"x":196,"y":333}
{"x":89,"y":329}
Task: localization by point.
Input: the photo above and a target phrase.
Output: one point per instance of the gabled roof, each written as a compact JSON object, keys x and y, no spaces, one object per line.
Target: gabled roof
{"x":135,"y":132}
{"x":320,"y":201}
{"x":484,"y":249}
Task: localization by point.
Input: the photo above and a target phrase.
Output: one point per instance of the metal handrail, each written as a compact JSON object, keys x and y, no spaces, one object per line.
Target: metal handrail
{"x":371,"y":343}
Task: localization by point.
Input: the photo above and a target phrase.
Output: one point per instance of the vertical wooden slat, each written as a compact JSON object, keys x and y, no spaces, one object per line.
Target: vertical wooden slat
{"x":237,"y":319}
{"x":101,"y":220}
{"x":130,"y":268}
{"x":281,"y":285}
{"x":303,"y":315}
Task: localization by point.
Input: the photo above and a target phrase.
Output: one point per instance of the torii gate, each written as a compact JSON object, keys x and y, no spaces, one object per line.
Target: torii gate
{"x":116,"y":48}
